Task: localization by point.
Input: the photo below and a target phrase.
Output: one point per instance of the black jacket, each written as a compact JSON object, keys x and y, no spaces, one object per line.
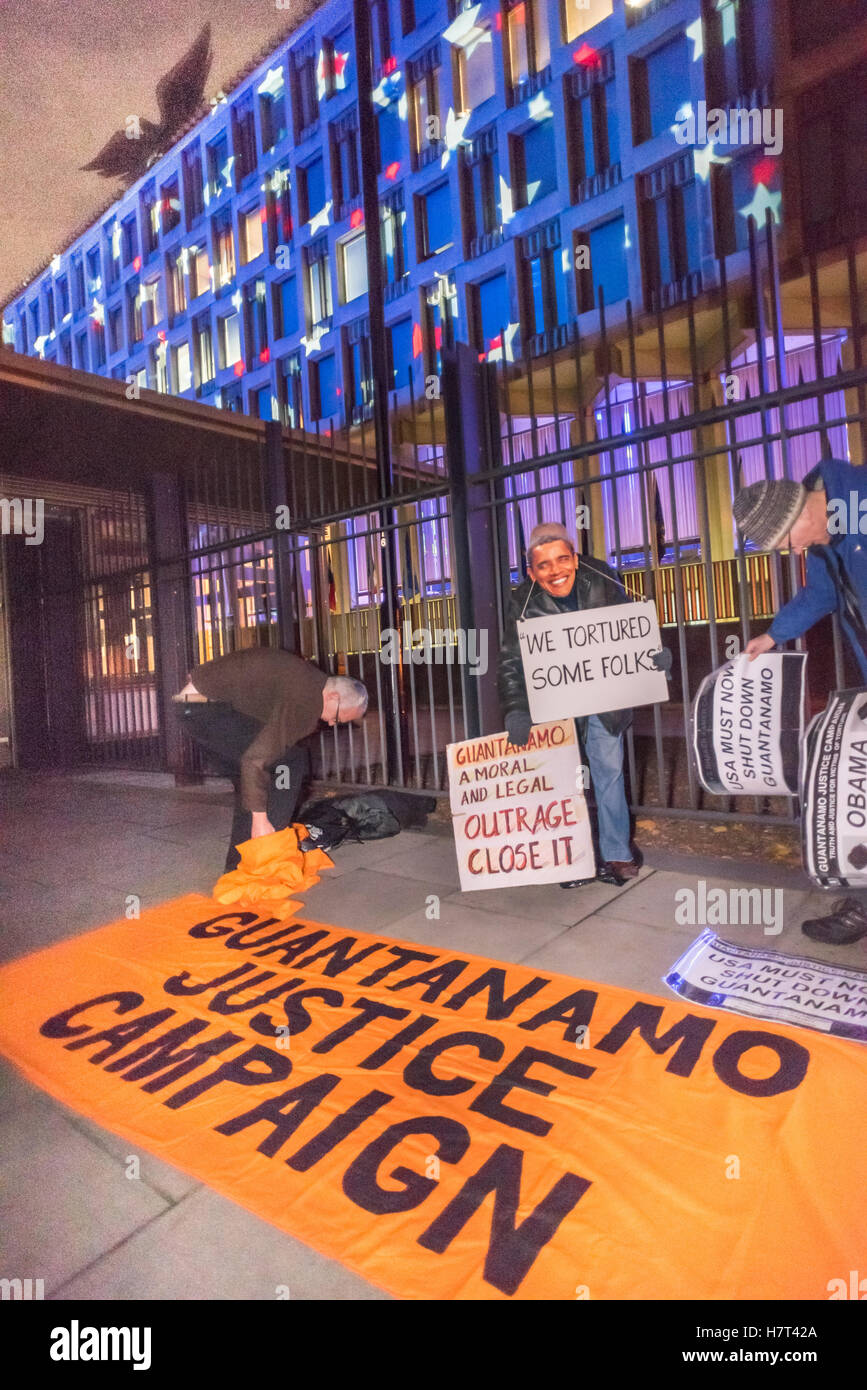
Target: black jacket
{"x":596,"y":586}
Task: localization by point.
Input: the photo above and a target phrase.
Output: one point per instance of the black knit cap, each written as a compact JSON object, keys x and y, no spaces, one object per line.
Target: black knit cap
{"x":765,"y":512}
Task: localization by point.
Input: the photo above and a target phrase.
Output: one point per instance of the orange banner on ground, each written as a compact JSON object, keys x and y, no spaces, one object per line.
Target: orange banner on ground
{"x":449,"y":1126}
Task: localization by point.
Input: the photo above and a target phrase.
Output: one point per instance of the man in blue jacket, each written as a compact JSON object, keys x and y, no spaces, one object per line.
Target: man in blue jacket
{"x":824,"y":517}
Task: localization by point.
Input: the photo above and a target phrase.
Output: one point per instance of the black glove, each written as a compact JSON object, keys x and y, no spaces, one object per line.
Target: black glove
{"x":662,"y":661}
{"x":518,"y":726}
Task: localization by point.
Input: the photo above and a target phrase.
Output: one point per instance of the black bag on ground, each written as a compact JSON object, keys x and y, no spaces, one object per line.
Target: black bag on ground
{"x":362,"y":816}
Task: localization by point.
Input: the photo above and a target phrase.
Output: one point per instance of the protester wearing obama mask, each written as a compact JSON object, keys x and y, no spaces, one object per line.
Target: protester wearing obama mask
{"x":561,"y":581}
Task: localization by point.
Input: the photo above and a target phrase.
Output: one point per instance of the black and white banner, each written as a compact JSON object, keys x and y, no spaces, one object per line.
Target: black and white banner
{"x":748,"y":724}
{"x":834,"y":793}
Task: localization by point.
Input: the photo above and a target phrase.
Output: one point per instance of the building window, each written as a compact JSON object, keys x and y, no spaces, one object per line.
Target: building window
{"x":224,"y":249}
{"x":832,"y":151}
{"x":200,"y":271}
{"x":170,"y":206}
{"x":360,"y":377}
{"x":473,"y":56}
{"x":49,"y":308}
{"x":670,"y":233}
{"x":424,"y":106}
{"x":390,"y":129}
{"x":150,"y":219}
{"x":252,"y":244}
{"x":194,"y":193}
{"x":272,"y":109}
{"x":592,"y":129}
{"x":492,"y":312}
{"x":150,"y":299}
{"x":312,"y":189}
{"x":159,"y":367}
{"x":581,"y":15}
{"x":483,"y":209}
{"x":135,"y":327}
{"x":204,"y":350}
{"x":660,"y":87}
{"x":325,"y":392}
{"x":527,"y":46}
{"x":319,"y":303}
{"x":256,"y":322}
{"x":291,"y":396}
{"x":534,"y":163}
{"x":337,"y":62}
{"x":219,"y":166}
{"x":129,"y":240}
{"x":345,"y":179}
{"x":401,"y":353}
{"x":182,"y":368}
{"x":78,"y":291}
{"x":413,"y":13}
{"x":304,"y":93}
{"x":286,"y":307}
{"x":601,"y":260}
{"x":231,"y":399}
{"x":264,"y":402}
{"x":62,"y":290}
{"x":394,"y":247}
{"x":97,"y":334}
{"x":177,"y":283}
{"x":229,"y":340}
{"x":244,"y":139}
{"x":380,"y":33}
{"x":544,"y":279}
{"x":81,"y":359}
{"x":279,"y":204}
{"x":353,"y":267}
{"x":94,"y":279}
{"x":112,"y":252}
{"x":434,"y":221}
{"x":733,"y":188}
{"x":115,"y":329}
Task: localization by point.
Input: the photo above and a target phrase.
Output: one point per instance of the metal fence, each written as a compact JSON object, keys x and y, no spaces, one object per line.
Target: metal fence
{"x":635,"y":432}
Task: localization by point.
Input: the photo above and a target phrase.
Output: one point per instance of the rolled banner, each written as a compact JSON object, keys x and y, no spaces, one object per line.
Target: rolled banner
{"x":747,"y":725}
{"x":834,"y":793}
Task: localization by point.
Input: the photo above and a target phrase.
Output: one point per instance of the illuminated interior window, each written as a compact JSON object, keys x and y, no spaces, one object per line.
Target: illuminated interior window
{"x":527,"y":44}
{"x":581,"y":15}
{"x":251,"y":233}
{"x":319,"y":300}
{"x":178,"y":284}
{"x":425,"y":108}
{"x":200,"y":271}
{"x":204,"y":350}
{"x":224,"y":248}
{"x":353,"y":267}
{"x":229,"y":329}
{"x":182,"y":368}
{"x":151,"y":307}
{"x":475,"y":68}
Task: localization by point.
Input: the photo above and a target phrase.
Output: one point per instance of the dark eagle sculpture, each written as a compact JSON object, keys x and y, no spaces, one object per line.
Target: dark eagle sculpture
{"x":179,"y":95}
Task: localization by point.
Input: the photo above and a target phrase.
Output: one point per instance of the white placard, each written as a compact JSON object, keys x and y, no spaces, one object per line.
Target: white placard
{"x":593,"y":661}
{"x":747,"y":723}
{"x":834,"y":793}
{"x":519,"y":814}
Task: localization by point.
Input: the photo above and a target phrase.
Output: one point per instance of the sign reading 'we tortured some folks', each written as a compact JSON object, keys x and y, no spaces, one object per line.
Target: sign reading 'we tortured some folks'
{"x":748,"y":725}
{"x":592,"y":661}
{"x":519,"y":814}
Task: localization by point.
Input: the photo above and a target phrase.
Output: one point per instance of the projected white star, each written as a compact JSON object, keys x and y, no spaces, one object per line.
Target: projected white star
{"x":762,"y":200}
{"x":273,"y":83}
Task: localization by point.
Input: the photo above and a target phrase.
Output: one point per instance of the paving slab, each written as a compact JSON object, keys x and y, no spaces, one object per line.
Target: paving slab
{"x":207,"y":1247}
{"x":459,"y":928}
{"x":368,"y":900}
{"x":64,"y":1200}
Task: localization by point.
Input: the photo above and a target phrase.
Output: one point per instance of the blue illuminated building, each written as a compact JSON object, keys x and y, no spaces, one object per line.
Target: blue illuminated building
{"x":527,"y":161}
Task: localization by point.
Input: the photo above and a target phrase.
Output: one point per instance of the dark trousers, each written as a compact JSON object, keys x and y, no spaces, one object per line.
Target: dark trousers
{"x":226,"y":734}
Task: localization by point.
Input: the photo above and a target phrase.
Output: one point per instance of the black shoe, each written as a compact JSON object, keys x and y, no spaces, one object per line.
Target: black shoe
{"x":577,"y":882}
{"x":845,"y":923}
{"x":608,"y":874}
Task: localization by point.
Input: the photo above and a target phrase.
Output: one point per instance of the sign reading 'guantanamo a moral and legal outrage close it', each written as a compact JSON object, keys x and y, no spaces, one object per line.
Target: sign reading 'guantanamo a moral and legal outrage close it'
{"x":593,"y":661}
{"x":519,"y":814}
{"x":451,"y":1126}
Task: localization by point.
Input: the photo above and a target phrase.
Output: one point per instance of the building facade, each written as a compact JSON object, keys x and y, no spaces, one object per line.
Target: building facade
{"x":532,"y":157}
